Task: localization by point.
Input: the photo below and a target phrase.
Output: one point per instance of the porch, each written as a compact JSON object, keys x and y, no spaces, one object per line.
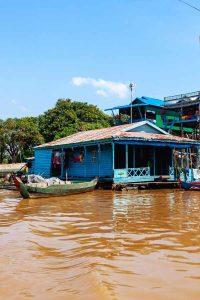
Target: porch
{"x":118,"y":161}
{"x":142,"y":163}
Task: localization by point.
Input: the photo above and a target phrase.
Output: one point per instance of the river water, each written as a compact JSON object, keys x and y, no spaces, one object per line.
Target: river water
{"x":101,"y":245}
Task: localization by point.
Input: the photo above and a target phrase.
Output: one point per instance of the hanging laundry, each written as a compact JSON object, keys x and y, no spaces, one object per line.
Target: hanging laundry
{"x":57,"y":159}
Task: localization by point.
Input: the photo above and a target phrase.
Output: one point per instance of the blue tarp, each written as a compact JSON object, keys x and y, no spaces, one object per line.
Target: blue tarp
{"x":144,"y":102}
{"x":126,"y":106}
{"x":151,"y":101}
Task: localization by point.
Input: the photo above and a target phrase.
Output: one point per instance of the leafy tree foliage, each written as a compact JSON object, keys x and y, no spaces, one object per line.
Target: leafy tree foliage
{"x":18,"y":137}
{"x":68,"y":117}
{"x":2,"y":142}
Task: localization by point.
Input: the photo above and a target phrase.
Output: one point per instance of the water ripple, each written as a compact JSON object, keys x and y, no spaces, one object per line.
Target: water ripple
{"x":101,"y":245}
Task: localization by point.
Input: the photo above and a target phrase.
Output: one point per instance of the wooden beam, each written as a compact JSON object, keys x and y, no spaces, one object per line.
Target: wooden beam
{"x":85,"y":165}
{"x":113,"y":155}
{"x":126,"y":156}
{"x":133,"y":156}
{"x":173,"y":153}
{"x":62,"y":164}
{"x":99,"y":159}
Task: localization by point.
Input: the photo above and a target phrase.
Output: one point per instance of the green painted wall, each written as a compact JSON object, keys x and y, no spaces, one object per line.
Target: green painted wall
{"x":170,"y":115}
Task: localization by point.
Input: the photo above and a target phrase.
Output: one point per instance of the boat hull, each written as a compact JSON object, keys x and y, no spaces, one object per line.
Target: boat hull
{"x":28,"y":191}
{"x":191,"y":185}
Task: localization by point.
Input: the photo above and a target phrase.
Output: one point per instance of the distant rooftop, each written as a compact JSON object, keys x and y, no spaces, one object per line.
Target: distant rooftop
{"x":183,"y":99}
{"x":140,"y":101}
{"x":171,"y":101}
{"x":151,"y":101}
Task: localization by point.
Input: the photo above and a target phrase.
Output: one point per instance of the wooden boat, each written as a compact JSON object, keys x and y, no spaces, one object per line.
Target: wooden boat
{"x":8,"y":186}
{"x":28,"y":191}
{"x":195,"y":185}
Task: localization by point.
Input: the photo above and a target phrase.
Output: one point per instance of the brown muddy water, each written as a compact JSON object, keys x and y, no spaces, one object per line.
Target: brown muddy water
{"x":101,"y":245}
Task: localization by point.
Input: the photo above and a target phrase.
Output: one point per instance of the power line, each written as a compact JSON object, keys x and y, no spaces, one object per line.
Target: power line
{"x":190,"y":5}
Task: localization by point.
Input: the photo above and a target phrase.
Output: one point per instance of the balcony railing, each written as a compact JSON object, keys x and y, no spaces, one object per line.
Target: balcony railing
{"x":139,"y":175}
{"x":171,"y":173}
{"x":132,"y":174}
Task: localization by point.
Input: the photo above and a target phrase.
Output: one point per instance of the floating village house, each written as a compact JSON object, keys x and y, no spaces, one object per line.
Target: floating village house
{"x":178,"y":114}
{"x":187,"y":110}
{"x":137,"y":152}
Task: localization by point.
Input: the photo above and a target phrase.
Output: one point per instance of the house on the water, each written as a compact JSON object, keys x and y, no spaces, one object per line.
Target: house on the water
{"x":187,"y":107}
{"x":136,"y":152}
{"x":178,"y":114}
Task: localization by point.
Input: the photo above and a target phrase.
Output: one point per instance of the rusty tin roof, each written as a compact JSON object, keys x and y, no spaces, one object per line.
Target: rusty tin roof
{"x":117,"y":132}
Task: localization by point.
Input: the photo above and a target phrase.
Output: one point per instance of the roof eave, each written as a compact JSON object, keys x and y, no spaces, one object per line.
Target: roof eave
{"x":71,"y":145}
{"x":192,"y":143}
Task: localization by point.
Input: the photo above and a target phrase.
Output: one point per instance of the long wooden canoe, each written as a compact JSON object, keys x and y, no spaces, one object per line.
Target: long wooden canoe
{"x":28,"y":191}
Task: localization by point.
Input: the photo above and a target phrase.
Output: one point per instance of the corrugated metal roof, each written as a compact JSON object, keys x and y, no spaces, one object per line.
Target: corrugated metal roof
{"x":92,"y":135}
{"x":126,"y":106}
{"x":145,"y":101}
{"x":151,"y":101}
{"x":113,"y":133}
{"x":154,"y":136}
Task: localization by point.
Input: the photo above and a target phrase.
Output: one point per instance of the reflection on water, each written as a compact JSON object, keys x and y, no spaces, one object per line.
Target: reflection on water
{"x":101,"y":245}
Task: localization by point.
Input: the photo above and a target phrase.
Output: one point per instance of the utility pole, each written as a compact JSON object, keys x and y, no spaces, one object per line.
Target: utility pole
{"x":131,"y":87}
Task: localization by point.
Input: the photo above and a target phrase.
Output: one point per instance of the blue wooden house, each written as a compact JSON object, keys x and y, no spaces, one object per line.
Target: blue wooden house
{"x":135,"y":152}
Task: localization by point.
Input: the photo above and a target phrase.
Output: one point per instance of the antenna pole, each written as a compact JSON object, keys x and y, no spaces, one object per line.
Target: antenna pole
{"x":131,"y":89}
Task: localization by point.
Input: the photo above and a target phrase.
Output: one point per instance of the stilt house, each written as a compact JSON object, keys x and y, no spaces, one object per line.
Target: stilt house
{"x":178,"y":114}
{"x":136,"y":152}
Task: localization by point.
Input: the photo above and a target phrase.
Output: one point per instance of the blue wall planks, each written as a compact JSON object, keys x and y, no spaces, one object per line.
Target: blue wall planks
{"x":32,"y":168}
{"x":106,"y":160}
{"x":42,"y":164}
{"x":94,"y":164}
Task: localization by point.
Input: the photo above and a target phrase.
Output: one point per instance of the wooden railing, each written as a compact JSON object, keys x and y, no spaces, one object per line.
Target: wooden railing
{"x":139,"y":175}
{"x":135,"y":174}
{"x":171,"y":173}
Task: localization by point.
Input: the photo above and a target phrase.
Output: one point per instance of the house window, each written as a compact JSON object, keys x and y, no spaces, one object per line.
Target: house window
{"x":77,"y":156}
{"x":94,"y":156}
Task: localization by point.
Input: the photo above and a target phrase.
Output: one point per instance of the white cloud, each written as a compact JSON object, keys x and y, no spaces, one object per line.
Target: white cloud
{"x":102,"y":93}
{"x":103,"y":87}
{"x":79,"y":81}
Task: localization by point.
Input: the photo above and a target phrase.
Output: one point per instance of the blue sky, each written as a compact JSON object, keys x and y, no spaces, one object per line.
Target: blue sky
{"x":89,"y":50}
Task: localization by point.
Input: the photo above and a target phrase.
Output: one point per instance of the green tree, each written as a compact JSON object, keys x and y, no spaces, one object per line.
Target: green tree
{"x":19,"y":137}
{"x":68,"y":117}
{"x":2,"y":142}
{"x":29,"y":135}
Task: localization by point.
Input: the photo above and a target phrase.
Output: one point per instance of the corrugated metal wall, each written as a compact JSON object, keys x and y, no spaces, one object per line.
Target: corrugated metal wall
{"x":91,"y":167}
{"x":42,"y":164}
